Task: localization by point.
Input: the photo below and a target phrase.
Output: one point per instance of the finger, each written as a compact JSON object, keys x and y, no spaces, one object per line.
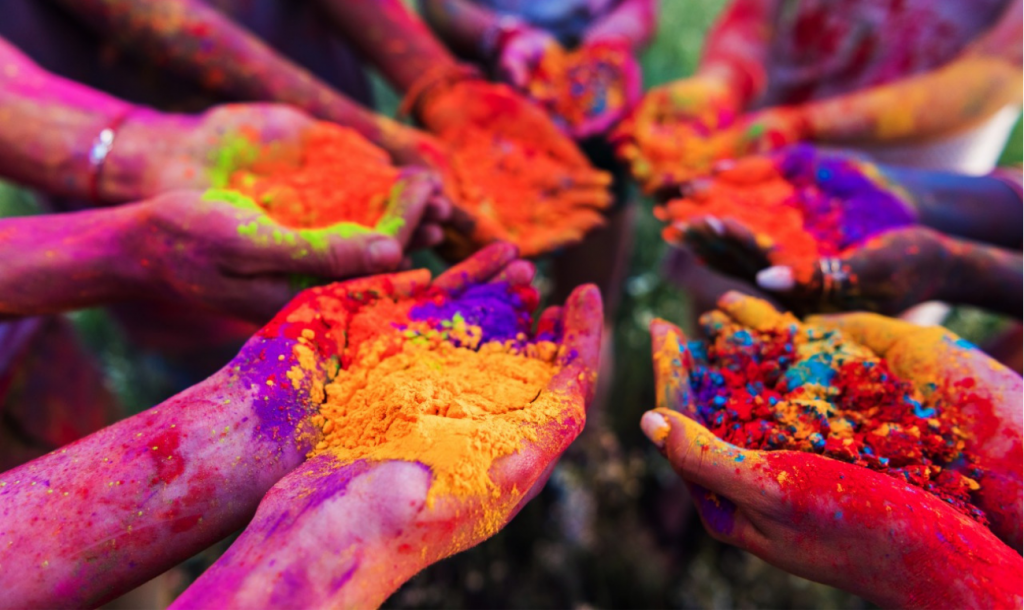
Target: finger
{"x":672,"y":362}
{"x":754,"y":313}
{"x":478,"y":268}
{"x":336,"y":252}
{"x":517,"y":273}
{"x":698,"y":456}
{"x":585,"y":198}
{"x":549,"y":323}
{"x":588,"y":178}
{"x":439,"y":208}
{"x":580,"y":354}
{"x":426,"y":236}
{"x":876,"y":332}
{"x":410,"y":199}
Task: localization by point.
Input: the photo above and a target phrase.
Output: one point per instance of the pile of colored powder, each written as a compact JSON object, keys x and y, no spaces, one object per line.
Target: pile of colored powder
{"x":452,"y":383}
{"x":512,"y":186}
{"x":805,"y":388}
{"x":338,"y":177}
{"x":797,"y":220}
{"x":579,"y":85}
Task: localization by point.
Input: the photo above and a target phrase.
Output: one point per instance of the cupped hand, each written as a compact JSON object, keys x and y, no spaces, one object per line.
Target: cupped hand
{"x":347,"y":534}
{"x":522,"y":52}
{"x":836,"y":523}
{"x":226,"y":254}
{"x":503,"y":147}
{"x":649,"y":139}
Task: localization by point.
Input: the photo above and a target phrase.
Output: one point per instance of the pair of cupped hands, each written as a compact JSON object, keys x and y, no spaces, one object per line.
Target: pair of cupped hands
{"x":96,"y":518}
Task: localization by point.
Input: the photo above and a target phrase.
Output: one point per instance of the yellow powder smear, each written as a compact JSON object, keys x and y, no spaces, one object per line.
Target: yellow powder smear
{"x":453,"y":409}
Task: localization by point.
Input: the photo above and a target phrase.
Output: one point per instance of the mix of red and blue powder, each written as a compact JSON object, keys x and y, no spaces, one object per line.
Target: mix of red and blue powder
{"x":802,"y":388}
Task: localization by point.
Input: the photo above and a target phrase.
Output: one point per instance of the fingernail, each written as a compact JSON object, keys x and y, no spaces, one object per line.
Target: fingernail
{"x":656,"y":427}
{"x":776,"y":279}
{"x":716,"y":225}
{"x":384,"y":254}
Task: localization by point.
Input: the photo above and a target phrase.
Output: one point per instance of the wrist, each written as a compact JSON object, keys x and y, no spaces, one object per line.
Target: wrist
{"x":434,"y":83}
{"x":141,"y":142}
{"x":497,"y":36}
{"x":131,"y":257}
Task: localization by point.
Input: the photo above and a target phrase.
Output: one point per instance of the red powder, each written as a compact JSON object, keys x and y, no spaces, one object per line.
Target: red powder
{"x":760,"y":198}
{"x":340,"y":177}
{"x":804,"y":389}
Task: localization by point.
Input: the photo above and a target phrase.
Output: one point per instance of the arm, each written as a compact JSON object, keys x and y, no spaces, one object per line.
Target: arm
{"x":985,"y":277}
{"x":736,"y":50}
{"x":200,"y":42}
{"x":982,"y":208}
{"x":462,"y":25}
{"x":632,"y":20}
{"x":983,"y":79}
{"x":392,"y":38}
{"x":50,"y":126}
{"x":101,"y":516}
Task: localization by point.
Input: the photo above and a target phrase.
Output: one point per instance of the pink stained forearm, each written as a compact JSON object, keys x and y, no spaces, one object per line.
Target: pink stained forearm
{"x":195,"y":40}
{"x":461,"y":24}
{"x":737,"y":47}
{"x":104,"y":514}
{"x":48,"y":126}
{"x":61,"y":262}
{"x":392,"y":38}
{"x":632,"y":20}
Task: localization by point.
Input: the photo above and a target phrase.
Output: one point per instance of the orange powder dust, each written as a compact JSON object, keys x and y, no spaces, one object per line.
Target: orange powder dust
{"x":411,"y":394}
{"x":341,"y":177}
{"x":580,"y":84}
{"x":511,"y":187}
{"x":760,"y":201}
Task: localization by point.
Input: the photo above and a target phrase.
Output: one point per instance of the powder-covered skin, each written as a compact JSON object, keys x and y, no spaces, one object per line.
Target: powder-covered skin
{"x":805,"y":388}
{"x":800,"y":206}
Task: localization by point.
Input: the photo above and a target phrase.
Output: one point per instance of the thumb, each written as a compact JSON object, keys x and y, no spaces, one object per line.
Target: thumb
{"x":408,"y":203}
{"x":672,"y":362}
{"x":332,"y":253}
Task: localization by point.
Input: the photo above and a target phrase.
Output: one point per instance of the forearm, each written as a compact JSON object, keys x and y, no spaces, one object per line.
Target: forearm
{"x":463,"y":25}
{"x":632,"y":20}
{"x":985,"y":277}
{"x":737,"y":48}
{"x":392,"y":38}
{"x":60,"y":262}
{"x":981,"y":208}
{"x":201,"y":43}
{"x":95,"y":519}
{"x":946,"y":100}
{"x":50,"y":126}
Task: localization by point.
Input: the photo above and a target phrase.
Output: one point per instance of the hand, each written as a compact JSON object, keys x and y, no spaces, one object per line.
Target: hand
{"x":348,"y":534}
{"x":829,"y":521}
{"x":522,"y":53}
{"x":504,"y":149}
{"x":233,"y":258}
{"x":888,"y":273}
{"x":157,"y":152}
{"x":649,"y":139}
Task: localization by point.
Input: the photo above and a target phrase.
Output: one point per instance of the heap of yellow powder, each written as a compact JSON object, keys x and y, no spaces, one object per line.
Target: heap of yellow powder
{"x":453,"y":409}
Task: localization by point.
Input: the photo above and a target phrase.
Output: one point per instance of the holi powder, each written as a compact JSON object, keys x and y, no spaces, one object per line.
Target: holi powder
{"x":452,"y":383}
{"x":800,"y":387}
{"x":516,"y":186}
{"x":337,"y":176}
{"x":576,"y":86}
{"x":796,"y":220}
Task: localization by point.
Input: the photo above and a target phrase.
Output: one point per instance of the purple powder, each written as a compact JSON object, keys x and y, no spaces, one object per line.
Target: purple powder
{"x":495,"y":308}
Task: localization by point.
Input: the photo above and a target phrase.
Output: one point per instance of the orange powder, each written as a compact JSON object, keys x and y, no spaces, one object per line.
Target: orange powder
{"x":511,"y":186}
{"x":341,"y":177}
{"x":759,"y":199}
{"x":410,"y":394}
{"x":580,"y":84}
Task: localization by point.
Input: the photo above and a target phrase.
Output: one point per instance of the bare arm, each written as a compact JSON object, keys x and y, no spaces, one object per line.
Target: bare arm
{"x":736,"y":50}
{"x":632,"y":20}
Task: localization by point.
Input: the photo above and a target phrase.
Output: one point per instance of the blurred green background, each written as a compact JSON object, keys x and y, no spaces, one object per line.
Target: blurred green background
{"x":614,"y":527}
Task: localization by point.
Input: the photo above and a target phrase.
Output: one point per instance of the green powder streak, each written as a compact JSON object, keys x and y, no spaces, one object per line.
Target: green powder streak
{"x":236,"y":152}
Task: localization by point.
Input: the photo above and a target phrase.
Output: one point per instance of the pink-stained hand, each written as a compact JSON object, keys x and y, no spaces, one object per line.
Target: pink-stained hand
{"x":629,"y":74}
{"x":334,"y":534}
{"x":522,"y":52}
{"x":234,"y":258}
{"x":839,"y":523}
{"x":100,"y":516}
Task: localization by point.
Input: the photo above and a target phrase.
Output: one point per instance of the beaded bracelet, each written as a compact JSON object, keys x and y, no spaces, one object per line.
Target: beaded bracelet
{"x":100,"y":149}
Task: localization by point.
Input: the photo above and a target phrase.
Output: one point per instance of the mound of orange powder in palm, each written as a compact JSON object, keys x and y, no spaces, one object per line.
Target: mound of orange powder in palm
{"x":338,"y":177}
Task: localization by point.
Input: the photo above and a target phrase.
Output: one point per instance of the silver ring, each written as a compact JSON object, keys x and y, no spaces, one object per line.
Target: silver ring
{"x":833,"y":279}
